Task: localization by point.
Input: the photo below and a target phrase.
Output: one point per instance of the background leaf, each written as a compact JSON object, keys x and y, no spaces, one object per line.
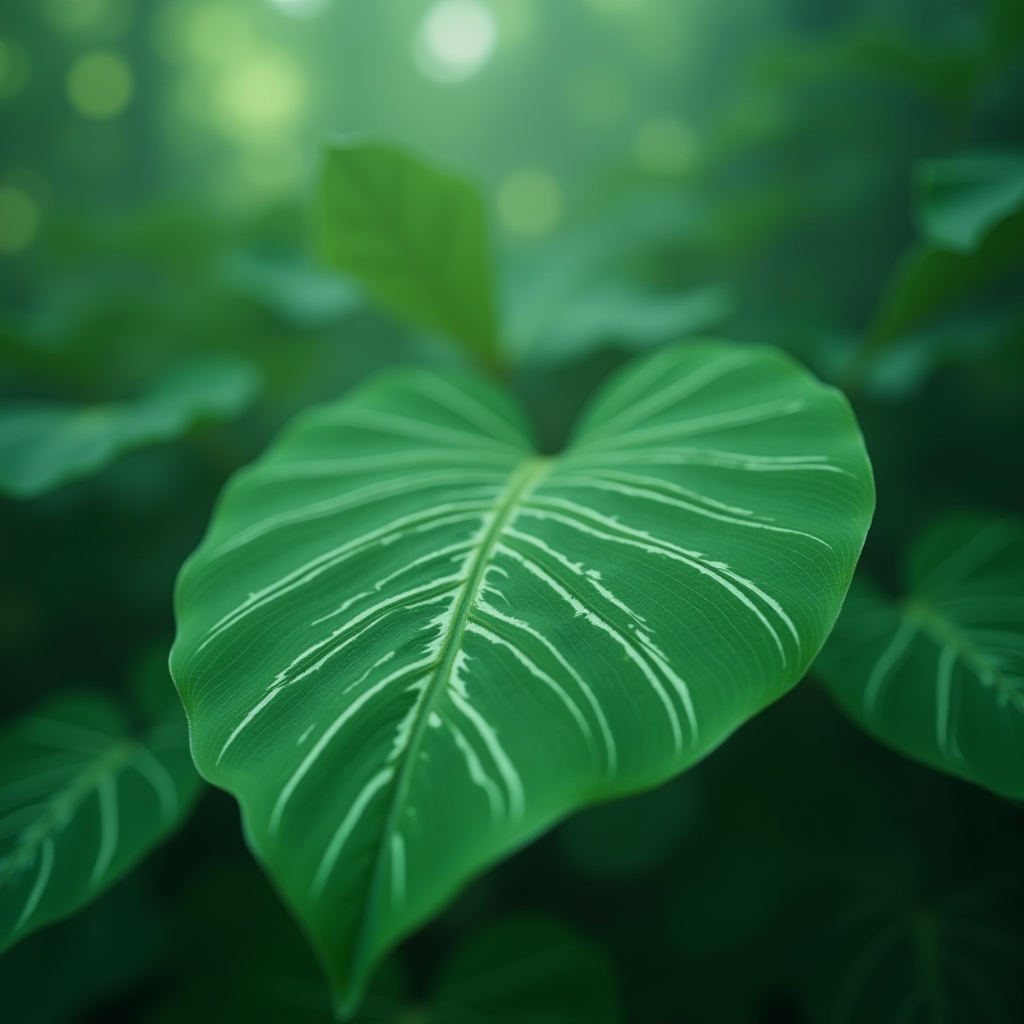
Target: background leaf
{"x":408,"y":644}
{"x":618,"y":315}
{"x":82,"y":801}
{"x":414,"y":236}
{"x":929,"y":281}
{"x":940,"y":674}
{"x":44,"y":444}
{"x":530,"y":968}
{"x":961,"y":198}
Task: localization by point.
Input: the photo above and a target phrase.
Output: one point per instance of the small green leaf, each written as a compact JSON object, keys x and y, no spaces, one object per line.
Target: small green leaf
{"x":409,"y":643}
{"x":526,"y":969}
{"x":960,"y":199}
{"x":45,"y":444}
{"x":417,"y":239}
{"x":939,"y":674}
{"x":82,"y":800}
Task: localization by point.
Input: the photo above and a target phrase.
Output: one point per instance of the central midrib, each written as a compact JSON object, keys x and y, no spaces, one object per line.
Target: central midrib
{"x":525,"y":479}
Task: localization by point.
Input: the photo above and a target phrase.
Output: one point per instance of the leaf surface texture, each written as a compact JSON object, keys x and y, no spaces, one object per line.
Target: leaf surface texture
{"x":409,"y":643}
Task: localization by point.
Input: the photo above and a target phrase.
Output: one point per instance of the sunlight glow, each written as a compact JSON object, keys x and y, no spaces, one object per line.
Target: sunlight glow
{"x":261,"y":95}
{"x":456,"y":39}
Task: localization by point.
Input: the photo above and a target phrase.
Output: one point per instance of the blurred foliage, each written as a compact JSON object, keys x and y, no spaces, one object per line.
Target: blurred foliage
{"x":833,"y":176}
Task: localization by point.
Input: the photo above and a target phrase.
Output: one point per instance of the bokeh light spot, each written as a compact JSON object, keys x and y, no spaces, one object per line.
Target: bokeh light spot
{"x":664,"y":145}
{"x":19,"y":220}
{"x":101,"y":84}
{"x":262,"y":95}
{"x":455,"y":40}
{"x":529,"y":202}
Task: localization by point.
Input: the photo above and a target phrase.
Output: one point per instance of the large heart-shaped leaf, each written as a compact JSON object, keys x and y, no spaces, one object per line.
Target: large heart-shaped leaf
{"x":82,"y":800}
{"x":939,"y":675}
{"x":409,"y":643}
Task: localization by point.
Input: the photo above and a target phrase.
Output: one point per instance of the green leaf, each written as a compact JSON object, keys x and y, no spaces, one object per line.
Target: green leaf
{"x":417,"y":239}
{"x":960,"y":199}
{"x":300,"y":296}
{"x":939,"y":674}
{"x":44,"y":444}
{"x":111,"y":946}
{"x":611,"y":314}
{"x":526,"y":969}
{"x":891,"y":945}
{"x":409,"y":643}
{"x":82,"y":800}
{"x":929,"y":281}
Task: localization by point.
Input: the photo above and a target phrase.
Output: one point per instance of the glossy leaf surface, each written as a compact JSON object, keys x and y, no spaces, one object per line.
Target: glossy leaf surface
{"x":414,"y":236}
{"x":939,"y":675}
{"x":408,"y":643}
{"x":44,"y":444}
{"x":82,"y":800}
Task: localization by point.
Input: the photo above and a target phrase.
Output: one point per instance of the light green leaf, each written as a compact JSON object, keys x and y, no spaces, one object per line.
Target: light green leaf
{"x":44,"y":444}
{"x":82,"y":800}
{"x":417,"y":239}
{"x":409,"y":643}
{"x":526,"y":969}
{"x":960,"y":199}
{"x":939,"y":674}
{"x":611,"y":314}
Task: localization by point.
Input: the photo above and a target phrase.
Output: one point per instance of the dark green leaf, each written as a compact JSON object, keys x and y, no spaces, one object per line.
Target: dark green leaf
{"x":929,"y":281}
{"x":962,"y":198}
{"x":44,"y":444}
{"x":630,"y":837}
{"x":528,"y":969}
{"x":939,"y":674}
{"x":82,"y":800}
